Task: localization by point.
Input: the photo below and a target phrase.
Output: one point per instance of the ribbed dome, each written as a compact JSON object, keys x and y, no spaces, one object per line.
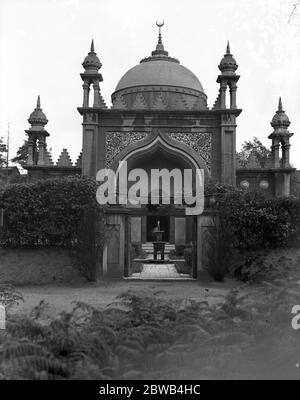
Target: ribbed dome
{"x":160,"y":72}
{"x":280,"y":119}
{"x":91,"y":62}
{"x":37,"y":120}
{"x":228,"y":65}
{"x":37,"y":117}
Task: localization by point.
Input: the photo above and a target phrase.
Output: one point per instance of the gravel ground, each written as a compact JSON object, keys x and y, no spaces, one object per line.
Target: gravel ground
{"x":61,"y":298}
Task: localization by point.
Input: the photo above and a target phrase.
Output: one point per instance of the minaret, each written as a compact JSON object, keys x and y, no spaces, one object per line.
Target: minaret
{"x":280,"y":136}
{"x":281,"y":139}
{"x":90,"y":113}
{"x":91,"y":75}
{"x":37,"y":136}
{"x":228,"y":78}
{"x":228,"y":114}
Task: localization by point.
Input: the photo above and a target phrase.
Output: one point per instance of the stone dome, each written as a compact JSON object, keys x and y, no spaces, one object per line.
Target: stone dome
{"x":159,"y":82}
{"x":160,"y":73}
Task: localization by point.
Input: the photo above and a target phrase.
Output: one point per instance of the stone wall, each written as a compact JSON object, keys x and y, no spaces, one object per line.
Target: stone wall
{"x":38,"y":267}
{"x":295,"y":183}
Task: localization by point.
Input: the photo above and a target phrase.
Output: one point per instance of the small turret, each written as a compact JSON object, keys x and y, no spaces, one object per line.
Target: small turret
{"x":280,"y":137}
{"x":37,"y":136}
{"x":91,"y":76}
{"x":228,"y":78}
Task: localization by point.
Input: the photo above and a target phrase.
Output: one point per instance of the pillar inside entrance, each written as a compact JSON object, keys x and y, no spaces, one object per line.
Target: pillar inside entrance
{"x":180,"y":231}
{"x":136,"y":229}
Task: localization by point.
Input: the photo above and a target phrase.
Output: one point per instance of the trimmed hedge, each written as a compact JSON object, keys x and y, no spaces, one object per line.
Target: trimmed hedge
{"x":257,"y":222}
{"x":58,"y":212}
{"x":47,"y":213}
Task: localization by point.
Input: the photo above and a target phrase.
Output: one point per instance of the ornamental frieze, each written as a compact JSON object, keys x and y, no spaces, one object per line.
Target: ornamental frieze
{"x":118,"y":141}
{"x":199,"y":142}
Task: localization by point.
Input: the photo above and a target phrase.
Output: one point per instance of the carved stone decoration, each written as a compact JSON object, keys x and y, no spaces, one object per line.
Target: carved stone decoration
{"x":228,"y":119}
{"x":244,"y":184}
{"x":119,"y":103}
{"x":139,"y":102}
{"x":117,"y":141}
{"x":90,"y":118}
{"x":180,"y":103}
{"x":264,"y":184}
{"x":199,"y":142}
{"x":159,"y":103}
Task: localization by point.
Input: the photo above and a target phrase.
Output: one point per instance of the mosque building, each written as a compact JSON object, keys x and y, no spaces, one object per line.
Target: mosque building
{"x":159,"y":118}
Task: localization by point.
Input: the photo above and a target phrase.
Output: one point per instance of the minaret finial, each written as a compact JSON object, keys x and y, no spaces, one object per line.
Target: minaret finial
{"x":160,"y":24}
{"x":92,"y":46}
{"x":280,"y":104}
{"x":38,"y":103}
{"x":228,"y":48}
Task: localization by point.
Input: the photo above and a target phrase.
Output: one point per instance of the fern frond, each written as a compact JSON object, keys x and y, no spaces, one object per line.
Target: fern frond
{"x":21,"y":349}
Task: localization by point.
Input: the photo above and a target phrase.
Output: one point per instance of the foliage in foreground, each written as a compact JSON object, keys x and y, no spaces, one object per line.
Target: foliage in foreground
{"x":144,"y":337}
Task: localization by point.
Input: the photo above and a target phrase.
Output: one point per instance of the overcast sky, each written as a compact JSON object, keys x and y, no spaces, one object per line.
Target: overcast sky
{"x":43,"y":43}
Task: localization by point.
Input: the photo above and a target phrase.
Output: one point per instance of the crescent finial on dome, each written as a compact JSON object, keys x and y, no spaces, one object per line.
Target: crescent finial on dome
{"x":160,"y":24}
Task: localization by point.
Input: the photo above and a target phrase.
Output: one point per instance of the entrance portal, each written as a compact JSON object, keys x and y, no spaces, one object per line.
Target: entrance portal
{"x":164,"y":226}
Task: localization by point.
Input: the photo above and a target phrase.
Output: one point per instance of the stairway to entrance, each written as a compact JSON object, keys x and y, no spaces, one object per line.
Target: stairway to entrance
{"x":159,"y":272}
{"x":148,"y":248}
{"x":164,"y":270}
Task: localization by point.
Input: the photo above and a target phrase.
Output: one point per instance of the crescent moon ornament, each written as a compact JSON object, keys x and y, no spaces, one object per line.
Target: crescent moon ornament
{"x":160,"y":23}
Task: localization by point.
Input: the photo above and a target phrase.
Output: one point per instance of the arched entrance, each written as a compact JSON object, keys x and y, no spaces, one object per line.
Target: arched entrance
{"x":130,"y":248}
{"x":179,"y":231}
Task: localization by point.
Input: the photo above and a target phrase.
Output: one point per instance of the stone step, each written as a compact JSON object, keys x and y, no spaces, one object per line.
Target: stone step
{"x":150,"y":251}
{"x":158,"y":272}
{"x":166,"y":247}
{"x":149,"y":246}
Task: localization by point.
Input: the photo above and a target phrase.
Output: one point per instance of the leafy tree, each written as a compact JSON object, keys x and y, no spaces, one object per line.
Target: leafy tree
{"x":22,"y":154}
{"x":256,"y":148}
{"x":3,"y":151}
